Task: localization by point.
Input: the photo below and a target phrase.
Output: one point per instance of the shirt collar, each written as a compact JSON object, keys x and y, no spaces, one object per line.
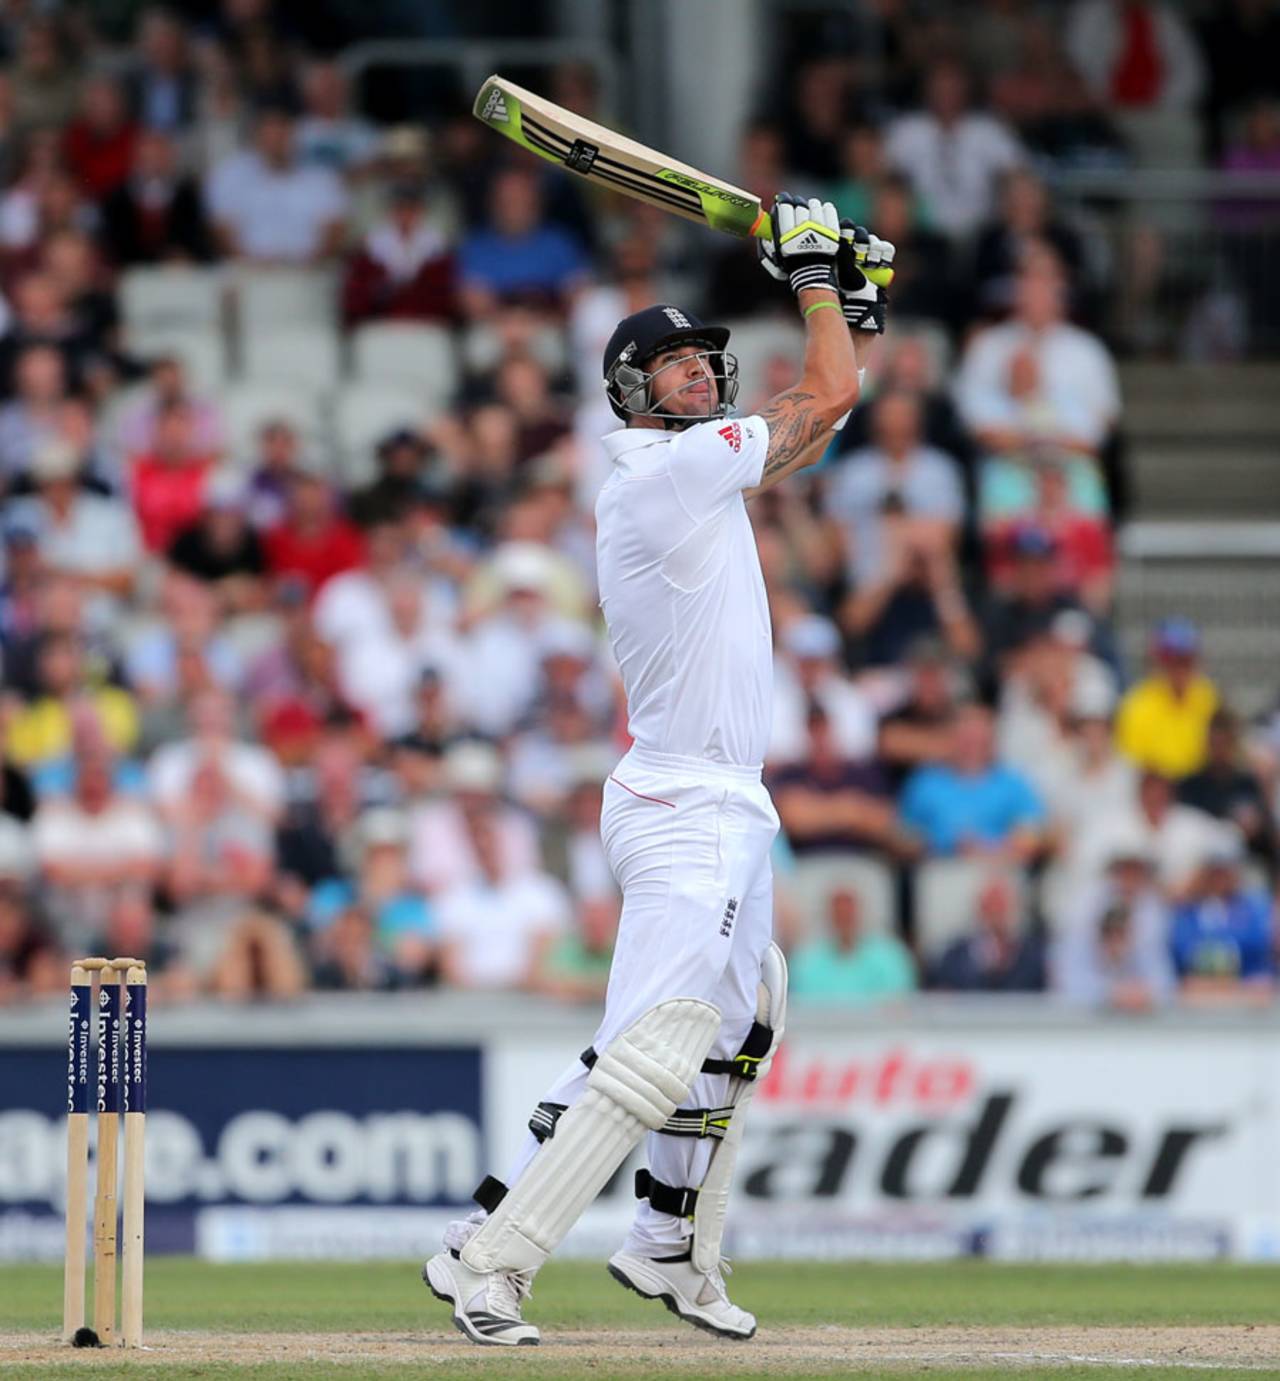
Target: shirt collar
{"x":628,"y":439}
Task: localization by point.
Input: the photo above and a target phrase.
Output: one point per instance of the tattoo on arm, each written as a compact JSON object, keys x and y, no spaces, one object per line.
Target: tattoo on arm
{"x":795,"y":427}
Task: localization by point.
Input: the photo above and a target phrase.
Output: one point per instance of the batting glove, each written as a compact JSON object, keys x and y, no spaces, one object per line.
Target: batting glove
{"x":862,"y":258}
{"x":804,"y":245}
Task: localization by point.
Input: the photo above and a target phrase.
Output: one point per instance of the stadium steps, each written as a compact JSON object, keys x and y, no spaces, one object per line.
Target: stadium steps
{"x":1204,"y":542}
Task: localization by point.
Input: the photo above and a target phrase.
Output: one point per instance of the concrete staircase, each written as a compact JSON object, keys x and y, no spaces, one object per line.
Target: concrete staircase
{"x":1204,"y":533}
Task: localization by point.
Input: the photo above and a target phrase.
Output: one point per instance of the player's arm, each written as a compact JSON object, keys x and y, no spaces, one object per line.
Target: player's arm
{"x":800,"y":420}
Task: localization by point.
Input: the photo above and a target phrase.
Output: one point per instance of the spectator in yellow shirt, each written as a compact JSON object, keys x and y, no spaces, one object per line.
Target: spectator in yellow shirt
{"x":41,"y":732}
{"x":1163,"y":723}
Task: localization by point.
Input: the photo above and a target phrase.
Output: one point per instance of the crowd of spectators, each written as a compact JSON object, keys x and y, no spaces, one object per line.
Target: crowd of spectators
{"x":277,"y":716}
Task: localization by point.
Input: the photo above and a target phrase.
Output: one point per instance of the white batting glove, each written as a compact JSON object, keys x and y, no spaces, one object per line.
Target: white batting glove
{"x":864,"y":264}
{"x":804,"y":244}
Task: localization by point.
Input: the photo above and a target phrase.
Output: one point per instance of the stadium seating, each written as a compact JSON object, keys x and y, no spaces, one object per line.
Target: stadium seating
{"x":416,"y":355}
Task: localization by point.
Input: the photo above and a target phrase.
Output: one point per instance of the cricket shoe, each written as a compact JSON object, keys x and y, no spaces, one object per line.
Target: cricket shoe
{"x":486,"y":1304}
{"x":697,"y":1297}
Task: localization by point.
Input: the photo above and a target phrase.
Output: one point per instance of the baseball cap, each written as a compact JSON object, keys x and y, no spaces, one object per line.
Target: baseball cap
{"x":523,"y":566}
{"x":812,"y":637}
{"x":474,"y":766}
{"x":1176,"y":637}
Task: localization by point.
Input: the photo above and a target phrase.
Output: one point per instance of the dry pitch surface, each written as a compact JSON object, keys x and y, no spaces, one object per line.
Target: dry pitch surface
{"x":938,"y":1321}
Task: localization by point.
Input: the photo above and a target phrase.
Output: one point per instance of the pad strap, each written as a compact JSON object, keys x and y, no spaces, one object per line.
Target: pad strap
{"x":490,"y":1192}
{"x":744,"y":1064}
{"x":666,"y":1198}
{"x":545,"y":1116}
{"x":698,"y":1122}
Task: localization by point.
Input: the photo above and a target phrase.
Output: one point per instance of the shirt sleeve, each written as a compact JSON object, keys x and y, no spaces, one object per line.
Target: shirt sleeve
{"x":710,"y":463}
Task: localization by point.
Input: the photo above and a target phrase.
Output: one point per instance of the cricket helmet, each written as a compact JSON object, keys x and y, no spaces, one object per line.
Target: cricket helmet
{"x":639,"y":337}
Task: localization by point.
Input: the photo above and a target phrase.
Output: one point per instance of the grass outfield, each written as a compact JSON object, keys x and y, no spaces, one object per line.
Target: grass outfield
{"x":961,"y":1319}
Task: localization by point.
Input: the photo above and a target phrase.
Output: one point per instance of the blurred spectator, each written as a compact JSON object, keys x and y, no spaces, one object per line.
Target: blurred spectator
{"x":404,"y":924}
{"x":1120,"y":963}
{"x":861,"y":168}
{"x":924,"y":481}
{"x":167,"y":480}
{"x":347,"y":956}
{"x":916,"y":593}
{"x":46,"y":84}
{"x":329,"y":135}
{"x":220,"y":548}
{"x":953,"y":155}
{"x":164,"y":80}
{"x":89,"y":846}
{"x":402,"y":457}
{"x":850,"y":965}
{"x":74,"y":266}
{"x":1223,"y":933}
{"x":268,"y":207}
{"x":497,"y":929}
{"x":1035,"y":388}
{"x":923,"y":287}
{"x":156,"y":214}
{"x":916,"y":729}
{"x":575,"y":967}
{"x":133,"y":927}
{"x":1141,"y":58}
{"x":999,"y":956}
{"x":1227,"y":788}
{"x":312,"y":540}
{"x":1237,"y":38}
{"x":404,"y":269}
{"x":973,"y":805}
{"x":41,"y":732}
{"x":99,"y":144}
{"x":809,"y":678}
{"x":1164,"y":719}
{"x":278,"y":453}
{"x":30,"y":965}
{"x":42,"y":317}
{"x":245,"y":775}
{"x":518,"y":255}
{"x":829,"y":801}
{"x":816,"y":110}
{"x":167,"y":384}
{"x":29,"y":420}
{"x":1178,"y":838}
{"x":1026,"y":221}
{"x":443,"y":852}
{"x":317,"y":838}
{"x":1093,"y":779}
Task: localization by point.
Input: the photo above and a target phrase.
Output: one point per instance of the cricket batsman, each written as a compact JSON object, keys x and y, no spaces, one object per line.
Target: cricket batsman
{"x":697,"y":992}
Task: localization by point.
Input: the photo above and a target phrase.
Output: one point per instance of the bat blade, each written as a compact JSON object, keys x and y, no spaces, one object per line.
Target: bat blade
{"x":611,"y":160}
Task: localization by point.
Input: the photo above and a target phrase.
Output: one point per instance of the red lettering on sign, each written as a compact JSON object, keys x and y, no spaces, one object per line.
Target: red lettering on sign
{"x":892,"y":1077}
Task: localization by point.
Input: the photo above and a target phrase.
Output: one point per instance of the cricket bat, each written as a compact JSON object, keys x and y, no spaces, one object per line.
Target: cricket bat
{"x":614,"y":161}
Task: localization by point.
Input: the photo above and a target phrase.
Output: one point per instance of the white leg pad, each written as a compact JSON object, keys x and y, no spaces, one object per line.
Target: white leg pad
{"x":637,"y":1082}
{"x":713,"y":1193}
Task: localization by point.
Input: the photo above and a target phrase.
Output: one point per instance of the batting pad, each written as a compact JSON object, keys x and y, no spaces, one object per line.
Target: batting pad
{"x":638,"y":1081}
{"x":713,"y":1193}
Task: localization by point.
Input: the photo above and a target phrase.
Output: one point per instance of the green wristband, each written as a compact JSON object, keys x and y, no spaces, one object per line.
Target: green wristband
{"x":818,"y":306}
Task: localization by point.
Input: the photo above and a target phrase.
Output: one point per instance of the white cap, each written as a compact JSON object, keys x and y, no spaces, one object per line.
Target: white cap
{"x":812,"y":637}
{"x":380,"y":826}
{"x":1093,"y":696}
{"x":523,"y":566}
{"x":474,"y":766}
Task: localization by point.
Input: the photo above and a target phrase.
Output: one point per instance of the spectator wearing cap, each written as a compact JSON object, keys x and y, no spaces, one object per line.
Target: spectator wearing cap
{"x":953,"y":154}
{"x":972,"y":805}
{"x":156,"y":214}
{"x":809,"y":676}
{"x":497,"y":928}
{"x":518,"y":254}
{"x":268,"y":207}
{"x":220,"y":549}
{"x":1164,"y":720}
{"x":84,"y":536}
{"x":404,"y":923}
{"x":999,"y":955}
{"x":850,"y":965}
{"x":329,"y":135}
{"x":828,"y":801}
{"x":924,"y":481}
{"x":167,"y":481}
{"x":1177,"y":837}
{"x":442,"y":851}
{"x":402,"y":460}
{"x":404,"y":269}
{"x":1228,"y":788}
{"x":313,"y":541}
{"x":1223,"y":932}
{"x":90,"y":844}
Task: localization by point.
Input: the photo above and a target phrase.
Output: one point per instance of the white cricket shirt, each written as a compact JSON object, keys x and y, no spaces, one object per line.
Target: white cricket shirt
{"x":682,"y":590}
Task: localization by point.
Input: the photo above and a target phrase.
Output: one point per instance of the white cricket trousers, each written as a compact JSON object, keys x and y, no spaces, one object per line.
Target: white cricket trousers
{"x":688,"y":841}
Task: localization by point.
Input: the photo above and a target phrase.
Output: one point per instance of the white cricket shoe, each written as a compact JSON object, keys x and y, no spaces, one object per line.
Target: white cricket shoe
{"x":698,"y":1298}
{"x":486,"y":1305}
